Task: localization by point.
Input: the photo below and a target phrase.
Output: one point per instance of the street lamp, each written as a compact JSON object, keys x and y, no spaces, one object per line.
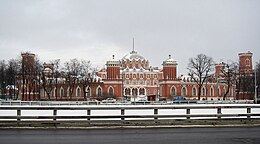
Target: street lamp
{"x":255,"y":85}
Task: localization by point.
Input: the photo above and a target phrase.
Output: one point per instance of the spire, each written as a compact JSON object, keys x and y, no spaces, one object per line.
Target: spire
{"x":133,"y":44}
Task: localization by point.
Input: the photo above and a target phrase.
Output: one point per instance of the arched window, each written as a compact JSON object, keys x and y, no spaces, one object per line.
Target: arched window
{"x":134,"y":82}
{"x":110,"y":92}
{"x":61,"y":92}
{"x":141,"y":82}
{"x":88,"y":91}
{"x":184,"y":91}
{"x":99,"y":91}
{"x":247,"y":62}
{"x":68,"y":91}
{"x":155,"y":82}
{"x":148,"y":92}
{"x":219,"y":92}
{"x":194,"y":91}
{"x":127,"y":91}
{"x":203,"y":91}
{"x":141,"y":91}
{"x":134,"y":91}
{"x":148,"y":82}
{"x":78,"y":92}
{"x":211,"y":91}
{"x":173,"y":91}
{"x":54,"y":92}
{"x":155,"y":92}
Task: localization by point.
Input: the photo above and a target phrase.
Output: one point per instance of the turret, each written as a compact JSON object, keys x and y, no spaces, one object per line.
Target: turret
{"x":169,"y":68}
{"x":113,"y":69}
{"x":245,"y":62}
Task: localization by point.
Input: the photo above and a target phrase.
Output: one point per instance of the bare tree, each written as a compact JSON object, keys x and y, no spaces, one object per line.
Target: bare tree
{"x":199,"y":68}
{"x":47,"y":82}
{"x":85,"y":76}
{"x":72,"y":70}
{"x":3,"y":76}
{"x":229,"y":72}
{"x":11,"y":72}
{"x":56,"y":64}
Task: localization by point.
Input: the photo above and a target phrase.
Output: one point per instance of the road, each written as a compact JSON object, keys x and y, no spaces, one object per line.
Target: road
{"x":240,"y":135}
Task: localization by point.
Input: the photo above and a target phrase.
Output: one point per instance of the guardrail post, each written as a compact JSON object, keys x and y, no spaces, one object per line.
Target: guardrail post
{"x":54,"y":114}
{"x":248,"y":112}
{"x":122,"y":114}
{"x":18,"y":115}
{"x":155,"y":114}
{"x":88,"y":113}
{"x":219,"y":112}
{"x":188,"y":112}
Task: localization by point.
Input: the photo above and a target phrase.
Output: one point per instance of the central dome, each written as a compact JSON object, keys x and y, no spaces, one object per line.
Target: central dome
{"x":133,"y":55}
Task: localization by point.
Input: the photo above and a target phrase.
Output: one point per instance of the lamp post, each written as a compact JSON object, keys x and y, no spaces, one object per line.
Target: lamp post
{"x":122,"y":82}
{"x":255,"y":85}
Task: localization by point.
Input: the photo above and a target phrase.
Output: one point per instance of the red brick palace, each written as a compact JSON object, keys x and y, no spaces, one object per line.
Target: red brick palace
{"x":132,"y":77}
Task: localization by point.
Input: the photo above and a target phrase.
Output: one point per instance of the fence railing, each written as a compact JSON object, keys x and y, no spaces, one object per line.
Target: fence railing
{"x":71,"y":103}
{"x":119,"y":113}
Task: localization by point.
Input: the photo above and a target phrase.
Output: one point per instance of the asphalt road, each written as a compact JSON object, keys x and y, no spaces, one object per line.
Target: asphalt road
{"x":243,"y":135}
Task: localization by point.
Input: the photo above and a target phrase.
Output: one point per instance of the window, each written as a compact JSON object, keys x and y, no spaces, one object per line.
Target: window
{"x":148,"y":76}
{"x":111,"y":92}
{"x":99,"y":91}
{"x":141,"y":75}
{"x":127,"y":82}
{"x":148,"y":82}
{"x":219,"y":92}
{"x":68,"y":91}
{"x":148,"y":92}
{"x":141,"y":82}
{"x":155,"y":92}
{"x":134,"y":91}
{"x":127,"y":91}
{"x":184,"y":92}
{"x":134,"y":82}
{"x":134,"y":76}
{"x":194,"y":91}
{"x":61,"y":92}
{"x":127,"y":75}
{"x":54,"y":92}
{"x":203,"y":92}
{"x":211,"y":91}
{"x":155,"y":82}
{"x":141,"y":91}
{"x":247,"y":62}
{"x":88,"y":91}
{"x":78,"y":92}
{"x":173,"y":91}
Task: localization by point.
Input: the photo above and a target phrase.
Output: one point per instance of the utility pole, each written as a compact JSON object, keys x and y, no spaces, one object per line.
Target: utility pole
{"x":255,"y":85}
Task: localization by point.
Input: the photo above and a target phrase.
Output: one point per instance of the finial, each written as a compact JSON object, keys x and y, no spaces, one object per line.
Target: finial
{"x":133,"y":44}
{"x":169,"y":56}
{"x":113,"y":56}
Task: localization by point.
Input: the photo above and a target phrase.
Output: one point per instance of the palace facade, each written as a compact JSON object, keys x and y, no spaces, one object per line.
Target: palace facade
{"x":129,"y":78}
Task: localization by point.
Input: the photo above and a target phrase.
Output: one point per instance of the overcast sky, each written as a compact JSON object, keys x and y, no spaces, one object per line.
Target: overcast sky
{"x":96,"y":29}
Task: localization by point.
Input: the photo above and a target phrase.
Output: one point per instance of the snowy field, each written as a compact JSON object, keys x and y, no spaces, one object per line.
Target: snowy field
{"x":169,"y":111}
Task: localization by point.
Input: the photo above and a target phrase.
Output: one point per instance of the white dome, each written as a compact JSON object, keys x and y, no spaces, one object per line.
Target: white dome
{"x":169,"y":61}
{"x":133,"y":55}
{"x":113,"y":61}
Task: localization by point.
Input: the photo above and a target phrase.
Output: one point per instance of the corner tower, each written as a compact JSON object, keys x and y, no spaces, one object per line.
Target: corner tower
{"x":169,"y":69}
{"x":113,"y":69}
{"x":245,"y":63}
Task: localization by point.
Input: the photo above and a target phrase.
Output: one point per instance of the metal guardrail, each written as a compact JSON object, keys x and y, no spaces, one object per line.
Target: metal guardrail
{"x":156,"y":116}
